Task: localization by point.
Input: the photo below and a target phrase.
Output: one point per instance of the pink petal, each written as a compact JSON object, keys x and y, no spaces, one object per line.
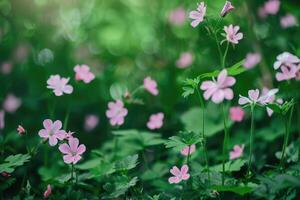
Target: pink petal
{"x":81,"y":149}
{"x":56,"y":126}
{"x":243,"y":100}
{"x":73,"y":142}
{"x":47,"y":123}
{"x":185,"y":176}
{"x":68,"y":158}
{"x":52,"y":140}
{"x":228,"y":94}
{"x":253,"y":94}
{"x":175,"y":171}
{"x":218,"y":96}
{"x":65,"y":149}
{"x":207,"y":85}
{"x":184,"y":169}
{"x":68,"y":89}
{"x":43,"y":133}
{"x":222,"y":77}
{"x":174,"y":179}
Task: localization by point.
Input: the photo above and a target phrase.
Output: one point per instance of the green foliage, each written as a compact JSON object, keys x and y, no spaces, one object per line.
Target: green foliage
{"x":13,"y":161}
{"x":241,"y":190}
{"x":185,"y":138}
{"x":127,"y":163}
{"x":230,"y":166}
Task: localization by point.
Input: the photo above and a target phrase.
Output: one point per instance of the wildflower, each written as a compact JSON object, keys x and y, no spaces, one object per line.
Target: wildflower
{"x":83,"y":73}
{"x":116,"y":112}
{"x":236,"y":114}
{"x":91,"y":121}
{"x":219,"y":90}
{"x":5,"y":174}
{"x":288,"y":72}
{"x":271,"y":99}
{"x":198,"y":15}
{"x":48,"y":191}
{"x":21,"y":130}
{"x":72,"y":151}
{"x":177,"y":16}
{"x":285,"y":58}
{"x":252,"y":59}
{"x":2,"y":116}
{"x":236,"y":152}
{"x":227,"y":8}
{"x":188,"y":150}
{"x":151,"y":86}
{"x":272,"y":7}
{"x":11,"y":103}
{"x":185,"y":60}
{"x":52,"y":131}
{"x":288,"y":21}
{"x":179,"y":175}
{"x":155,"y":121}
{"x":59,"y":85}
{"x":232,"y":34}
{"x":254,"y":97}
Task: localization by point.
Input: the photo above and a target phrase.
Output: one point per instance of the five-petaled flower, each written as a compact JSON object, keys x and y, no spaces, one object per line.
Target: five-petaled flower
{"x":188,"y":150}
{"x":59,"y":85}
{"x":72,"y":151}
{"x":198,"y":15}
{"x":227,"y":8}
{"x":232,"y":34}
{"x":237,"y":152}
{"x":83,"y":73}
{"x":255,"y":98}
{"x":116,"y":112}
{"x":252,"y":59}
{"x":150,"y":85}
{"x":155,"y":121}
{"x":218,"y":90}
{"x":179,"y":175}
{"x":236,"y":114}
{"x":52,"y":131}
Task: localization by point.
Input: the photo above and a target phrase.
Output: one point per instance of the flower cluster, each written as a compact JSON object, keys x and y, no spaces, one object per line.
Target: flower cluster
{"x":289,"y":66}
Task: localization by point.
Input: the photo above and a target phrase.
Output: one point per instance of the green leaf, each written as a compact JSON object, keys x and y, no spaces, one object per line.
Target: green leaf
{"x":117,"y":91}
{"x":187,"y":91}
{"x":230,"y":166}
{"x":185,"y":138}
{"x":127,"y":163}
{"x":13,"y":161}
{"x":241,"y":190}
{"x":118,"y":186}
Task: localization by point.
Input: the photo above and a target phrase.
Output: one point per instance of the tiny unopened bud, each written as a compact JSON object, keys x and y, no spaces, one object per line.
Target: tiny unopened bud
{"x":227,"y":8}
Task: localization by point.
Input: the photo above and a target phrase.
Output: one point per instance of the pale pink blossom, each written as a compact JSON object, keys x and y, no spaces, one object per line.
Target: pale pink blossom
{"x":237,"y":114}
{"x":177,"y":16}
{"x":287,"y":72}
{"x":2,"y":122}
{"x":179,"y":175}
{"x":185,"y":60}
{"x":288,"y":21}
{"x":83,"y":73}
{"x":6,"y":68}
{"x":219,"y":89}
{"x":271,"y":7}
{"x":52,"y":131}
{"x":116,"y":113}
{"x":72,"y":151}
{"x":59,"y":85}
{"x":232,"y":34}
{"x":21,"y":130}
{"x":90,"y":123}
{"x":285,"y":58}
{"x":151,"y":86}
{"x":252,"y":59}
{"x":11,"y":103}
{"x":155,"y":121}
{"x":228,"y":7}
{"x":188,"y":150}
{"x":198,"y":15}
{"x":254,"y":97}
{"x":237,"y":152}
{"x":48,"y":191}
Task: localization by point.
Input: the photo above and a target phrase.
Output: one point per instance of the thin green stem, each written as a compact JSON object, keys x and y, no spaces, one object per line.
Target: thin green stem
{"x":251,"y":140}
{"x":225,"y":143}
{"x":286,"y":137}
{"x":225,"y":55}
{"x":72,"y":172}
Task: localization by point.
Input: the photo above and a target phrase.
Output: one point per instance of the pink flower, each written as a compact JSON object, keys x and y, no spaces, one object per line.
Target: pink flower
{"x":254,"y":97}
{"x":285,"y":58}
{"x":272,"y":7}
{"x":5,"y":174}
{"x":6,"y":68}
{"x":226,"y":9}
{"x":116,"y":112}
{"x":179,"y":175}
{"x":2,"y":116}
{"x":185,"y":60}
{"x":198,"y":15}
{"x":59,"y":85}
{"x":288,"y":72}
{"x":21,"y":130}
{"x":236,"y":114}
{"x":150,"y":85}
{"x":52,"y":131}
{"x":155,"y":121}
{"x":219,"y":90}
{"x":252,"y":59}
{"x":11,"y":103}
{"x":177,"y":16}
{"x":83,"y":73}
{"x":236,"y":152}
{"x":188,"y":150}
{"x":91,"y":121}
{"x":72,"y":151}
{"x":232,"y":34}
{"x":288,"y":21}
{"x":48,"y":192}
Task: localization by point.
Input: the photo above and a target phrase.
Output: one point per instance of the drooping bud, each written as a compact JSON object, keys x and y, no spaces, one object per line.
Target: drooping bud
{"x":228,"y":7}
